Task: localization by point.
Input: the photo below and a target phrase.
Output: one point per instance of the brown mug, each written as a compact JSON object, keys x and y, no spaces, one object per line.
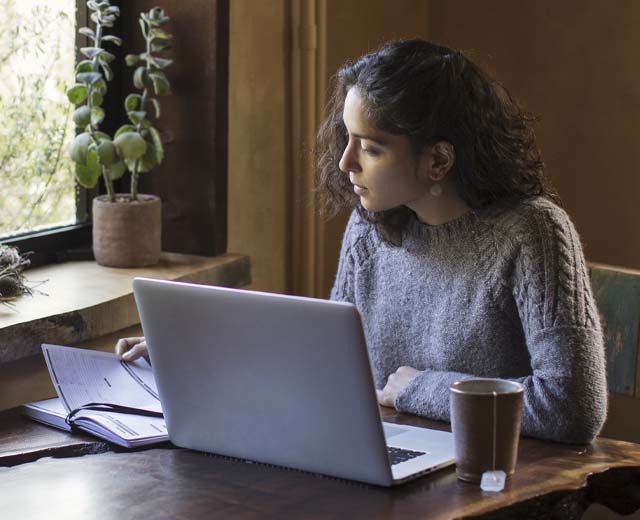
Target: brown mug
{"x":485,"y":420}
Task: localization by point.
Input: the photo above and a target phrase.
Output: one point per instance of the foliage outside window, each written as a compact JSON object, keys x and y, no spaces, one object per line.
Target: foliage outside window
{"x":37,"y":58}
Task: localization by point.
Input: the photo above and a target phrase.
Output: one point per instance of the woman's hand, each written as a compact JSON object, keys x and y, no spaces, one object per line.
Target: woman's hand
{"x":131,"y":349}
{"x":395,"y":384}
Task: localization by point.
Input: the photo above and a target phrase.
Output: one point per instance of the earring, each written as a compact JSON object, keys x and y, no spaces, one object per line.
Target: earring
{"x":436,"y":189}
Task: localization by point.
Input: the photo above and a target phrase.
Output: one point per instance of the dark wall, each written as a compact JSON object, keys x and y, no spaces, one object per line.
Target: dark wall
{"x":192,"y":179}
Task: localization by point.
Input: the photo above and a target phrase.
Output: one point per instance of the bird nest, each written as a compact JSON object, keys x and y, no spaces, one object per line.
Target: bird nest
{"x":12,"y":281}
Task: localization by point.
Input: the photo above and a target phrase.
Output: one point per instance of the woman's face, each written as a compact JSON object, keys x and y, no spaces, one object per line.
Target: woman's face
{"x":382,"y":167}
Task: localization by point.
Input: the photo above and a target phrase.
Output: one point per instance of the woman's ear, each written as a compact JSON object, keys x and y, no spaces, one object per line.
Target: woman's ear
{"x":440,"y":159}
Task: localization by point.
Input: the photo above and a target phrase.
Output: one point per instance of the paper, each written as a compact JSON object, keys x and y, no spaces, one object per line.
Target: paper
{"x":124,"y":429}
{"x":84,"y":376}
{"x":493,"y":480}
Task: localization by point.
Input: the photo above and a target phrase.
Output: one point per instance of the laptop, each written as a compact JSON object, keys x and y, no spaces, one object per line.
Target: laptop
{"x":276,"y":379}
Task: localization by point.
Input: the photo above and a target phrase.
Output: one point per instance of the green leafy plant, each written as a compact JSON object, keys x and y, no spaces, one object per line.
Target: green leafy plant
{"x":93,"y":151}
{"x":139,"y":143}
{"x":135,"y":146}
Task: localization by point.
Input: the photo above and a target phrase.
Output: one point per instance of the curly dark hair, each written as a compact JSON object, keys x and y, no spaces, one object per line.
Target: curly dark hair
{"x":430,"y":93}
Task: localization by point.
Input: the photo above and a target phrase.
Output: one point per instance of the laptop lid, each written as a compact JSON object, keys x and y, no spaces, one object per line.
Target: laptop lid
{"x":277,"y":379}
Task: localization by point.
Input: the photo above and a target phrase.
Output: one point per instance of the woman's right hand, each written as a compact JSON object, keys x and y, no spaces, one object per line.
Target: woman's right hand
{"x":130,"y":349}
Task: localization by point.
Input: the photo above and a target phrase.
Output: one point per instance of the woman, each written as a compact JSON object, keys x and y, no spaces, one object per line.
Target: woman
{"x":457,"y":254}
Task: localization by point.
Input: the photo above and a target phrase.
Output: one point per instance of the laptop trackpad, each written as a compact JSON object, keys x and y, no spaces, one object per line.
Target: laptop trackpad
{"x":392,"y":430}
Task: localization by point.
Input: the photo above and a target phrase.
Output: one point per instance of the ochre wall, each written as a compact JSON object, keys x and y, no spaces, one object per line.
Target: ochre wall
{"x":575,"y":64}
{"x":354,"y":28}
{"x":258,"y":153}
{"x":259,"y":104}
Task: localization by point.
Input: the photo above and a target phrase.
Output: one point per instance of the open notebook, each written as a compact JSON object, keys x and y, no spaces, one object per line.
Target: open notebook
{"x":102,"y":395}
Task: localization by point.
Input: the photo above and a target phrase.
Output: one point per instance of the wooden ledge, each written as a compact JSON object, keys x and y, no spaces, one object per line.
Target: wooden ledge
{"x":82,"y":300}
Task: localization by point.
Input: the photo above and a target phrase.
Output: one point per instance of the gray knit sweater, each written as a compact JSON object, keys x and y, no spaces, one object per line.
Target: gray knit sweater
{"x":500,"y":292}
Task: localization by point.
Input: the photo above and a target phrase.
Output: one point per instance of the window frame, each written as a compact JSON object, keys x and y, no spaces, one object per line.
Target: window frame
{"x":195,"y":212}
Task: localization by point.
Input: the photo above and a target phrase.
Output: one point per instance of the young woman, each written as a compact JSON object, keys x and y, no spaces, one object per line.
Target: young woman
{"x":457,"y":253}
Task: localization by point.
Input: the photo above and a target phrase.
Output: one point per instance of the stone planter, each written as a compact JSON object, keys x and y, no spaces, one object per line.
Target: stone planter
{"x":126,"y":233}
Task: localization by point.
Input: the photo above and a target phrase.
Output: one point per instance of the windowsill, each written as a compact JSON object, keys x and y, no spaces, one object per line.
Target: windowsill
{"x":81,"y":301}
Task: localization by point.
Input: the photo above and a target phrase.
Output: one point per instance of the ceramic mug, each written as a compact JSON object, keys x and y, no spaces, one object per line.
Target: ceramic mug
{"x":485,"y":420}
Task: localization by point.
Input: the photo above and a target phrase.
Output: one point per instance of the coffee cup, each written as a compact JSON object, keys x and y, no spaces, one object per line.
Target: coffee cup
{"x":485,"y":420}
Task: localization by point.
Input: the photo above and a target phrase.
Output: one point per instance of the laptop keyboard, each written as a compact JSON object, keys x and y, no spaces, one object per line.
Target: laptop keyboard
{"x":398,"y":455}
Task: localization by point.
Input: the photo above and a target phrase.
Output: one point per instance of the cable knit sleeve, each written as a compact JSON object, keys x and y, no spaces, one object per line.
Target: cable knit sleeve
{"x":343,"y":289}
{"x":565,"y":397}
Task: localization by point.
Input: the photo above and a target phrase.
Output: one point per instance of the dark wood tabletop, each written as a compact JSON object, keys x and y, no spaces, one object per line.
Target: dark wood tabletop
{"x":51,"y":474}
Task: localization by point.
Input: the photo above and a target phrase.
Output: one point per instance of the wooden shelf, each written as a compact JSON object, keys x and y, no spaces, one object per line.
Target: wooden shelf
{"x":80,"y":301}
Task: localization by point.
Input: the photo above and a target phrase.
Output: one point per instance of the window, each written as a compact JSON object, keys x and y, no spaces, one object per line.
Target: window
{"x":36,"y":65}
{"x":192,"y":179}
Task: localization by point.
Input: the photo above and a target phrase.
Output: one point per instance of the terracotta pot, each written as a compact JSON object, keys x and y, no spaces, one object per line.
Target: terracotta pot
{"x":127,"y":233}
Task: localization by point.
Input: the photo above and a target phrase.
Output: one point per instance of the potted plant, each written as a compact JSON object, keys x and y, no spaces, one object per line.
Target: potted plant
{"x":126,"y":226}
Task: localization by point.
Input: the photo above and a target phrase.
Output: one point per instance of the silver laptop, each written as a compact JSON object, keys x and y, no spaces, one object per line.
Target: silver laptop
{"x":276,"y":379}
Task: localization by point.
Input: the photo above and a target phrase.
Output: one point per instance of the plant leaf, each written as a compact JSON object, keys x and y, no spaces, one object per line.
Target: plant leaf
{"x":79,"y":147}
{"x":115,"y":10}
{"x":97,"y":116}
{"x":84,"y":66}
{"x":77,"y":93}
{"x":159,"y":44}
{"x":124,"y":129}
{"x":162,"y":63}
{"x":86,"y":31}
{"x":131,"y":102}
{"x":132,"y":59}
{"x":136,"y":116}
{"x":157,"y":144}
{"x":96,"y":98}
{"x":130,"y":145}
{"x":117,"y":169}
{"x":140,"y":78}
{"x":91,"y":52}
{"x":113,"y":39}
{"x":89,"y":78}
{"x":106,"y":57}
{"x":156,"y":106}
{"x":100,"y":86}
{"x":161,"y":84}
{"x":146,"y":162}
{"x":107,"y":152}
{"x":82,"y":116}
{"x":108,"y":73}
{"x":143,"y":27}
{"x":89,"y":172}
{"x":159,"y":33}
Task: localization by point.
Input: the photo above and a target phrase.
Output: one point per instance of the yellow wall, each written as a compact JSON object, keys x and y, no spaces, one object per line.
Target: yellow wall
{"x":354,"y":28}
{"x":574,"y":63}
{"x":258,"y":175}
{"x":259,"y":117}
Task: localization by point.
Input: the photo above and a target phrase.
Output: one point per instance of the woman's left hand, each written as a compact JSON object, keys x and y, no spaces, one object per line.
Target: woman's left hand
{"x":395,"y":384}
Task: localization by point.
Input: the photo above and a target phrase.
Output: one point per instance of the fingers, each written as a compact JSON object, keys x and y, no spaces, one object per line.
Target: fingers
{"x":385,"y":398}
{"x":125,"y":344}
{"x":136,"y":352}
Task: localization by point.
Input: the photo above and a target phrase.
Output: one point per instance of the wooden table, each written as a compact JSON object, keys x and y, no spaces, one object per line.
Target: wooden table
{"x":49,"y":474}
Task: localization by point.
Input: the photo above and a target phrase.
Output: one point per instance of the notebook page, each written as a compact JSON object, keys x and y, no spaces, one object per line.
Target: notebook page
{"x":83,"y":376}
